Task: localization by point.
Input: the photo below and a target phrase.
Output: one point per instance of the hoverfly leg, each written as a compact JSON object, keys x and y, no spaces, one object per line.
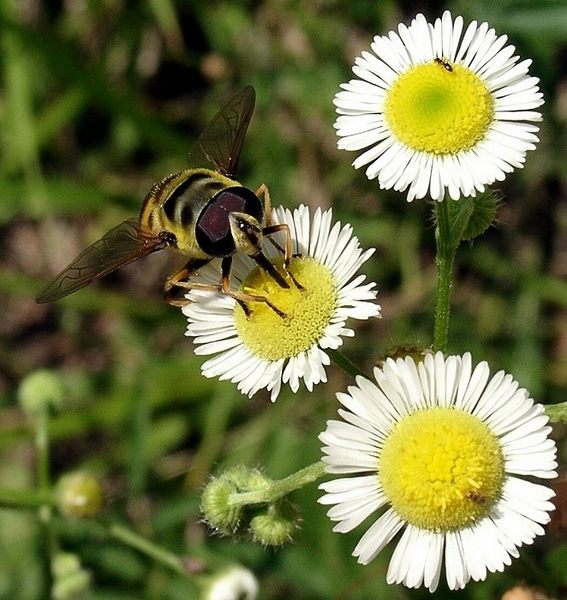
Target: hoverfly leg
{"x":179,"y":281}
{"x":265,"y":264}
{"x":287,"y":250}
{"x":247,"y":310}
{"x":263,"y":191}
{"x":243,"y":298}
{"x":292,"y":277}
{"x":270,"y":229}
{"x":278,"y":312}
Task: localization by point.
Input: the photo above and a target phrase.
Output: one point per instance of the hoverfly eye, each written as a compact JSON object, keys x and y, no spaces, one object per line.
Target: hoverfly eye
{"x":212,"y":229}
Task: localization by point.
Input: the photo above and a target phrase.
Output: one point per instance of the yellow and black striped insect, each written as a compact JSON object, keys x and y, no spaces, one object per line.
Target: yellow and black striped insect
{"x":202,"y":212}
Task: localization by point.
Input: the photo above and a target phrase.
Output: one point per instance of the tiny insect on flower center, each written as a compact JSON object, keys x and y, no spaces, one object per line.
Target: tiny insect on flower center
{"x":441,"y":469}
{"x":437,"y":108}
{"x":307,"y":311}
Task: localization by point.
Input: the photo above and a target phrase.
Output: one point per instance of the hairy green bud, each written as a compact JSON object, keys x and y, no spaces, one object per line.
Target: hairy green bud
{"x":216,"y":507}
{"x":273,"y":528}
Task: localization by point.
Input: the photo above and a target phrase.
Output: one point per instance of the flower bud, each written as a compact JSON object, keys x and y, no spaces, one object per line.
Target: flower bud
{"x":40,"y":391}
{"x":273,"y":528}
{"x":257,"y":481}
{"x":238,"y":475}
{"x":216,"y":507}
{"x":80,"y":495}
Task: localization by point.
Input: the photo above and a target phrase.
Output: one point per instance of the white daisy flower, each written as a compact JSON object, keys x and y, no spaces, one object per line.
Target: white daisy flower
{"x":436,"y":110}
{"x":440,"y":450}
{"x":264,"y":350}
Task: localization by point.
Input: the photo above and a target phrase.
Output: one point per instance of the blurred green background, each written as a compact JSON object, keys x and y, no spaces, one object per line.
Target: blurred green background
{"x":101,"y":98}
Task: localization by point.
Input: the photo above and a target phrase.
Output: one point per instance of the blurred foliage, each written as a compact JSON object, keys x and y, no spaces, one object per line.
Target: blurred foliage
{"x":99,"y":99}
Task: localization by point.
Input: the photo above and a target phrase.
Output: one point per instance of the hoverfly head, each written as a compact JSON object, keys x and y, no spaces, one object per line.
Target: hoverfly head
{"x":246,"y":232}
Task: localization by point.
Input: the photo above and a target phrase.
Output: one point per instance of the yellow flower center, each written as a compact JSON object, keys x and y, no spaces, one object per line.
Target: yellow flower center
{"x":439,"y":108}
{"x":307,"y":312}
{"x":441,"y":469}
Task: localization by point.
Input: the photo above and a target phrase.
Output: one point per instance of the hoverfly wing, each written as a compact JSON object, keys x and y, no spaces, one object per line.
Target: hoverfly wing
{"x":120,"y":246}
{"x":221,"y":141}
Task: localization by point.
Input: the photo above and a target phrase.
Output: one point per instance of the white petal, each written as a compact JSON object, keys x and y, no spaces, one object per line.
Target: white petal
{"x":377,"y":536}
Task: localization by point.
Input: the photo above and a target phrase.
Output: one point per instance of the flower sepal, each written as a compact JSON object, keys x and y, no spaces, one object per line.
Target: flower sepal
{"x":471,"y":217}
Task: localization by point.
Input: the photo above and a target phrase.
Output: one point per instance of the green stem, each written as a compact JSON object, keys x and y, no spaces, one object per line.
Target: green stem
{"x":42,"y":446}
{"x":44,"y":479}
{"x":280,"y":488}
{"x":10,"y":498}
{"x":446,"y":249}
{"x":132,"y":539}
{"x":140,"y":427}
{"x":345,"y":364}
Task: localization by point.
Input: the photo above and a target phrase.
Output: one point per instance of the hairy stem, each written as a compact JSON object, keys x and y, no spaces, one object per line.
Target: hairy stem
{"x":444,"y":260}
{"x":281,"y":487}
{"x":145,"y":546}
{"x":345,"y":363}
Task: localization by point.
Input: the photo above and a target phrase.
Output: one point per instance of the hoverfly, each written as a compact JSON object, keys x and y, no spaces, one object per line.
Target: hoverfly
{"x":202,"y":212}
{"x":444,"y":63}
